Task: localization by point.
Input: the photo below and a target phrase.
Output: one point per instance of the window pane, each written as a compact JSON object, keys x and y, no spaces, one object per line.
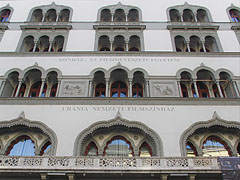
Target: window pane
{"x":118,"y":147}
{"x":212,"y":147}
{"x":24,"y":147}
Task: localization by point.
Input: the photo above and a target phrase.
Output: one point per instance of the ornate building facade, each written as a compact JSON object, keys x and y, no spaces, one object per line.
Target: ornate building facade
{"x":125,"y":90}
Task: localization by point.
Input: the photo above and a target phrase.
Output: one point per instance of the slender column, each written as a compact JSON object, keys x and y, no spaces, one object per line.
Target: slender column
{"x":235,"y":88}
{"x":90,"y":89}
{"x":42,"y":86}
{"x":35,"y":45}
{"x":57,"y":19}
{"x":112,"y":16}
{"x":50,"y":46}
{"x":130,"y":88}
{"x":181,"y":15}
{"x":180,"y":89}
{"x":71,"y":176}
{"x":147,"y":88}
{"x":164,"y":176}
{"x":188,"y":46}
{"x":111,"y":45}
{"x":195,"y":87}
{"x":203,"y":45}
{"x":126,"y":14}
{"x":107,"y":88}
{"x":44,"y":15}
{"x":43,"y":176}
{"x":58,"y":87}
{"x":219,"y":89}
{"x":195,"y":16}
{"x":2,"y":86}
{"x":18,"y":88}
{"x":126,"y":45}
{"x":192,"y":176}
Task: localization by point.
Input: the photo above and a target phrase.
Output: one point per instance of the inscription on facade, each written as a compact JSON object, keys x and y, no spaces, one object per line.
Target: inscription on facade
{"x":119,"y":108}
{"x":119,"y":59}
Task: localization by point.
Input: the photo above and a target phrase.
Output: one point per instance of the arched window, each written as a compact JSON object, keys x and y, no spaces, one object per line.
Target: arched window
{"x":145,"y":150}
{"x":35,"y":89}
{"x":180,"y":44}
{"x":103,"y":43}
{"x":175,"y":15}
{"x":119,"y":43}
{"x":213,"y":146}
{"x":188,"y":16}
{"x":226,"y":85}
{"x":50,"y":16}
{"x":105,"y":15}
{"x":43,"y":44}
{"x":119,"y":89}
{"x":235,"y":15}
{"x":91,"y":149}
{"x":202,"y":16}
{"x":100,"y":90}
{"x":54,"y":90}
{"x":21,"y":90}
{"x":37,"y":16}
{"x":184,"y":90}
{"x":202,"y":90}
{"x":22,"y":146}
{"x":58,"y":44}
{"x":211,"y":44}
{"x":4,"y":15}
{"x":27,"y":44}
{"x":195,"y":44}
{"x":47,"y":146}
{"x":134,"y":43}
{"x":64,"y":15}
{"x":133,"y":15}
{"x":191,"y":150}
{"x":137,"y":90}
{"x":119,"y":16}
{"x":118,"y":146}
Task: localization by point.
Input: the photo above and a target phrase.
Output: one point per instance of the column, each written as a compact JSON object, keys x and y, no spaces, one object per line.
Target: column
{"x":71,"y":176}
{"x":126,"y":14}
{"x":188,"y":47}
{"x":50,"y":46}
{"x":130,"y":88}
{"x":2,"y":86}
{"x":112,"y":16}
{"x":219,"y":89}
{"x":235,"y":88}
{"x":43,"y":176}
{"x":181,"y":16}
{"x":57,"y":19}
{"x":42,"y":86}
{"x":147,"y":88}
{"x":107,"y":88}
{"x":58,"y":86}
{"x":35,"y":45}
{"x":180,"y":89}
{"x":195,"y":16}
{"x":195,"y":87}
{"x":203,"y":45}
{"x":90,"y":89}
{"x":126,"y":41}
{"x":164,"y":176}
{"x":18,"y":88}
{"x":111,"y":45}
{"x":192,"y":176}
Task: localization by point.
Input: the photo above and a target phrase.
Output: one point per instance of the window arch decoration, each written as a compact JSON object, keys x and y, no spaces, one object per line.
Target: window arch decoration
{"x":5,"y":16}
{"x":215,"y":121}
{"x":60,"y":12}
{"x":233,"y":13}
{"x":153,"y":137}
{"x":179,"y":9}
{"x":127,"y":9}
{"x":31,"y":126}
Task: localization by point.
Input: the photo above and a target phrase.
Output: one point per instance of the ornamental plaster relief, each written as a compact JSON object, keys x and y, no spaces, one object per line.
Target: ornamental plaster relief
{"x":73,"y":89}
{"x":163,"y":89}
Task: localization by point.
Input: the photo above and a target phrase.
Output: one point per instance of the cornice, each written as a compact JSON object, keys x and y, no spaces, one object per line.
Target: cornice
{"x":122,"y":101}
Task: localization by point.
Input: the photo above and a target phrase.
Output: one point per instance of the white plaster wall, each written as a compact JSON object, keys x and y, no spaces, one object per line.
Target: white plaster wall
{"x":155,"y":66}
{"x":157,"y":40}
{"x":68,"y":124}
{"x":229,"y":41}
{"x":10,"y":41}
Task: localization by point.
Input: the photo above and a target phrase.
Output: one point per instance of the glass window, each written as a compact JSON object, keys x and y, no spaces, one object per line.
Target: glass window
{"x":91,"y":150}
{"x":119,"y":89}
{"x":145,"y":150}
{"x":137,"y":90}
{"x":191,"y":150}
{"x":100,"y":90}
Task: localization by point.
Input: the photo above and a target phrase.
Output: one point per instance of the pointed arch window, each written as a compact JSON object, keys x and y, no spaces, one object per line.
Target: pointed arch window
{"x":119,"y":89}
{"x":22,"y":146}
{"x":137,"y":90}
{"x":145,"y":150}
{"x":118,"y":146}
{"x":100,"y":90}
{"x":91,"y":150}
{"x":191,"y":150}
{"x":214,"y":146}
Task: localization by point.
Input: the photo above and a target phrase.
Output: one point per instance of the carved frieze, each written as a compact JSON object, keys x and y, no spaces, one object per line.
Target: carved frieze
{"x":73,"y":89}
{"x":163,"y":89}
